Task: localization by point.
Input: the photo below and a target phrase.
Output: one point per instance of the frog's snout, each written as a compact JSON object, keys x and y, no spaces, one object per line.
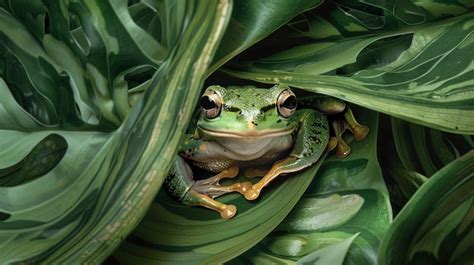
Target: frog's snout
{"x":252,"y":118}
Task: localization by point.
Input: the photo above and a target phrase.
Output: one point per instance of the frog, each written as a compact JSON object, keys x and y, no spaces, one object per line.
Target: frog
{"x":267,"y":132}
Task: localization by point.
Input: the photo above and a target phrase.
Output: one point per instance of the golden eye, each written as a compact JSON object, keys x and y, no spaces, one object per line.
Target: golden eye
{"x":211,"y":104}
{"x":286,"y":103}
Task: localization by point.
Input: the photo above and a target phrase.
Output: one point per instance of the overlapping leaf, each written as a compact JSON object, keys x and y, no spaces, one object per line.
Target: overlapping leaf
{"x":430,"y":83}
{"x":435,"y":227}
{"x":80,"y":210}
{"x":85,"y":62}
{"x":172,"y":233}
{"x":253,"y":20}
{"x":427,"y":150}
{"x":411,"y":153}
{"x":67,"y":72}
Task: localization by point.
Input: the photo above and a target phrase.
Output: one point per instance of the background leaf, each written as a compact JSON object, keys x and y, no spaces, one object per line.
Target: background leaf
{"x":253,"y":20}
{"x":411,"y":153}
{"x":82,"y":209}
{"x":416,"y":87}
{"x":435,"y":226}
{"x":333,"y":254}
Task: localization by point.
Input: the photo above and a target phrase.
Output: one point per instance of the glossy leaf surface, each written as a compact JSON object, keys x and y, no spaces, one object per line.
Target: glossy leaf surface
{"x":430,"y":83}
{"x":172,"y":233}
{"x":435,"y":227}
{"x":253,"y":20}
{"x":81,"y":209}
{"x":95,"y":96}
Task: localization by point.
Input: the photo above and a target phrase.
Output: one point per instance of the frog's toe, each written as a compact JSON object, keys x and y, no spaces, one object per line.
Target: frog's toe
{"x":228,"y":211}
{"x":194,"y":198}
{"x":360,"y":132}
{"x":241,"y":187}
{"x":252,"y":194}
{"x":342,"y":149}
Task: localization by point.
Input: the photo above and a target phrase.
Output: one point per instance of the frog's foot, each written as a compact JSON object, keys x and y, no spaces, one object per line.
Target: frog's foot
{"x":194,"y":198}
{"x":342,"y":148}
{"x":255,"y":172}
{"x":359,"y":131}
{"x":211,"y":186}
{"x":288,"y":165}
{"x":340,"y":126}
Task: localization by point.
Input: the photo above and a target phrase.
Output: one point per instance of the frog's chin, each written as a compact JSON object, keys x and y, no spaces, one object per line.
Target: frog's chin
{"x":254,"y":134}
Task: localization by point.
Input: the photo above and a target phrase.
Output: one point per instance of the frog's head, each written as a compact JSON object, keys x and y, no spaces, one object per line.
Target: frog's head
{"x":247,"y":112}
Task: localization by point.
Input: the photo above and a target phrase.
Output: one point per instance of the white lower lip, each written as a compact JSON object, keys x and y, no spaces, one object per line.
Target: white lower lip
{"x":260,"y":134}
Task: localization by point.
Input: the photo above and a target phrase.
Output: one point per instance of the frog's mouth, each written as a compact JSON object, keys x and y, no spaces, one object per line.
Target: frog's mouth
{"x":248,"y":134}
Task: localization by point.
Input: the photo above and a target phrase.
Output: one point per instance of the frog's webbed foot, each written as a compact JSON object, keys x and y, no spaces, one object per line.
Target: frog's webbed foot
{"x":287,"y":165}
{"x":342,"y":148}
{"x":211,"y":186}
{"x":340,"y":126}
{"x":331,"y":106}
{"x":203,"y":192}
{"x":359,"y":131}
{"x":194,"y":198}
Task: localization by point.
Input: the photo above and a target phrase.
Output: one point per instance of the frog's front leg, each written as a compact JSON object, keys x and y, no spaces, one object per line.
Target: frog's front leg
{"x":311,"y":141}
{"x":181,"y":184}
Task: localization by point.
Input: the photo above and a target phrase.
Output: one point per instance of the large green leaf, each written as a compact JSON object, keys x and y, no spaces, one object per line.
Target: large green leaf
{"x":80,"y":65}
{"x":333,"y":254}
{"x":427,"y":150}
{"x":347,"y":197}
{"x":253,"y":20}
{"x":411,"y":153}
{"x":430,"y":83}
{"x":435,"y":226}
{"x":80,"y":211}
{"x":172,"y":233}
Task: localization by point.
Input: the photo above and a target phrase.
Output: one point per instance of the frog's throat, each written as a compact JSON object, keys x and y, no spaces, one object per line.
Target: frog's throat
{"x":248,"y":134}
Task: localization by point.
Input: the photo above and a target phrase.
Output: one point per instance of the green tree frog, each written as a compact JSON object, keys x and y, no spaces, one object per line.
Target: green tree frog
{"x":248,"y":128}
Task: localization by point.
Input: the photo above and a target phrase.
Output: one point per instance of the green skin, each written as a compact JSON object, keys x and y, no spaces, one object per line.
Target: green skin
{"x":249,"y":131}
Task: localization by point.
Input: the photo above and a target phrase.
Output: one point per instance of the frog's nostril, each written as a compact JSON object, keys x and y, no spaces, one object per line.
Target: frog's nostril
{"x":241,"y":113}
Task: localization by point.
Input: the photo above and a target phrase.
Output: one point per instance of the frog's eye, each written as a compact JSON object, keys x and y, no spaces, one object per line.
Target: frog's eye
{"x":286,"y":103}
{"x":211,"y":105}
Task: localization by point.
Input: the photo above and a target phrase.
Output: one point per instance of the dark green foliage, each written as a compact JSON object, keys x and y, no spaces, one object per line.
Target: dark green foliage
{"x":96,"y":95}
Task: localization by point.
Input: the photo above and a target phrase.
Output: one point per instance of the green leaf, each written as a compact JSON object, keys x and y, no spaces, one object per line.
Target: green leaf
{"x":253,"y":20}
{"x":433,"y":227}
{"x":81,"y":210}
{"x":76,"y":64}
{"x":333,"y":254}
{"x":416,"y":87}
{"x":405,"y":10}
{"x":319,"y":214}
{"x":355,"y":186}
{"x":407,"y":182}
{"x":425,"y":150}
{"x":176,"y":234}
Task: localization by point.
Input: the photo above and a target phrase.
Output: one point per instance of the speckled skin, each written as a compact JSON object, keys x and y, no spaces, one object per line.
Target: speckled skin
{"x":177,"y":185}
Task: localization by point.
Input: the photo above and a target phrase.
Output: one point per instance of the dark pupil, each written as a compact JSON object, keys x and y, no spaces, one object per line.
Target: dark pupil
{"x":290,"y":102}
{"x":207,"y":103}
